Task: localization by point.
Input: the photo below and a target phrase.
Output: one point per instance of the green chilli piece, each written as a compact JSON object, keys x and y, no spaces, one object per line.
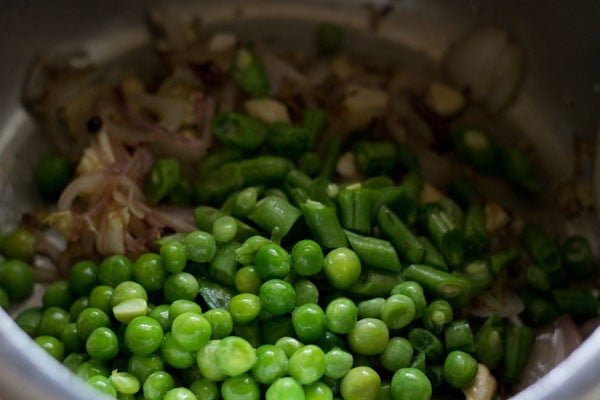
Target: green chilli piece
{"x":240,"y":131}
{"x":162,"y":179}
{"x":374,"y":252}
{"x":249,"y":73}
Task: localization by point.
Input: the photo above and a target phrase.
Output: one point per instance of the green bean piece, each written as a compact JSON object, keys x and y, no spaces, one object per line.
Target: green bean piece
{"x":371,"y":308}
{"x":217,"y":185}
{"x":397,"y":354}
{"x":298,"y":179}
{"x":517,"y":168}
{"x":214,"y":294}
{"x":415,"y":292}
{"x":272,"y":213}
{"x":432,"y":256}
{"x":375,"y":157}
{"x":374,"y":283}
{"x":477,"y":149}
{"x":264,"y":170}
{"x":464,"y":192}
{"x":245,"y":201}
{"x":445,"y":233}
{"x":538,"y":309}
{"x":426,"y":342}
{"x":541,"y":247}
{"x":360,"y":383}
{"x":502,"y":259}
{"x":478,"y":273}
{"x":489,"y":342}
{"x":369,"y":337}
{"x":517,"y":346}
{"x":328,"y":39}
{"x":249,"y":73}
{"x":331,"y":156}
{"x":439,"y":283}
{"x":459,"y":336}
{"x":475,"y":233}
{"x":410,"y":384}
{"x":538,"y":278}
{"x":181,"y":194}
{"x":224,"y":265}
{"x":377,"y":182}
{"x":403,"y":240}
{"x":324,"y":224}
{"x":247,"y":252}
{"x":355,"y":209}
{"x":218,"y":157}
{"x":578,"y":303}
{"x":162,"y":179}
{"x":287,"y":140}
{"x":460,"y":369}
{"x":52,"y":174}
{"x":239,"y":131}
{"x":314,"y":121}
{"x":309,"y":162}
{"x":577,"y":257}
{"x":399,"y":199}
{"x":374,"y":252}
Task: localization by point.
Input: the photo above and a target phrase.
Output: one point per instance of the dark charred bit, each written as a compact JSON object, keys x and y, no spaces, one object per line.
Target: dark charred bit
{"x":439,"y":127}
{"x":94,"y":124}
{"x":210,"y":74}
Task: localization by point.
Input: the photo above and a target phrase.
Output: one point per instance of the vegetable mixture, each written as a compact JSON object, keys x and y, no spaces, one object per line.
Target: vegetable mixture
{"x":252,"y":224}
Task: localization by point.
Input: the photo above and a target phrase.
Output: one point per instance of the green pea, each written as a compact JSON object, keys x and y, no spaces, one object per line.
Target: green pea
{"x":157,"y":385}
{"x":306,"y":292}
{"x":460,"y":369}
{"x":90,"y":368}
{"x":397,"y":354}
{"x":338,"y":363}
{"x":16,"y":277}
{"x":103,"y":385}
{"x":224,"y":229}
{"x":77,"y":307}
{"x":102,"y":344}
{"x":342,"y":268}
{"x":317,"y":391}
{"x":52,"y":345}
{"x":180,"y":393}
{"x":148,"y":270}
{"x":200,"y":246}
{"x":161,"y":314}
{"x":244,"y":308}
{"x":307,"y":258}
{"x":181,"y":306}
{"x":369,"y":337}
{"x":191,"y":331}
{"x":54,"y":320}
{"x":309,"y":322}
{"x":271,"y":364}
{"x":277,"y":296}
{"x":285,"y":388}
{"x":100,"y":297}
{"x":128,"y":309}
{"x":205,"y":389}
{"x":398,"y":311}
{"x":289,"y":345}
{"x":52,"y":174}
{"x":125,"y":382}
{"x":128,"y":290}
{"x":29,"y":319}
{"x":71,"y":340}
{"x":74,"y":360}
{"x":142,"y":366}
{"x":143,"y":335}
{"x":360,"y":383}
{"x":114,"y":270}
{"x":272,"y":261}
{"x":19,"y":245}
{"x":83,"y":277}
{"x":174,"y":355}
{"x":220,"y":321}
{"x":341,"y":314}
{"x":235,"y":356}
{"x":246,"y":280}
{"x":307,"y":364}
{"x":173,"y":256}
{"x":182,"y":285}
{"x":242,"y":387}
{"x":206,"y":360}
{"x":89,"y":320}
{"x":410,"y":384}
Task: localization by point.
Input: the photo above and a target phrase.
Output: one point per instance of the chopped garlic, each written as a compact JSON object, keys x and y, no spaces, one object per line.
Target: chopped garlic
{"x":496,"y":217}
{"x":483,"y":387}
{"x":444,"y":100}
{"x":222,"y":42}
{"x":267,"y":110}
{"x":360,"y":105}
{"x":430,"y":194}
{"x":346,"y":166}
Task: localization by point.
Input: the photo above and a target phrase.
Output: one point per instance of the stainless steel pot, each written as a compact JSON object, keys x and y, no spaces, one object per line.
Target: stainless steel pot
{"x":560,"y":100}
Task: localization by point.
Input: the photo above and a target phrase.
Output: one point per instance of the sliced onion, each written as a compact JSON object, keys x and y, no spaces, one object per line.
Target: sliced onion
{"x":553,"y":343}
{"x":488,"y":303}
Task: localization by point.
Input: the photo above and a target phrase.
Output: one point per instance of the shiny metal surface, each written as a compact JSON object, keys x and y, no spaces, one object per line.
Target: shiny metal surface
{"x":560,"y":100}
